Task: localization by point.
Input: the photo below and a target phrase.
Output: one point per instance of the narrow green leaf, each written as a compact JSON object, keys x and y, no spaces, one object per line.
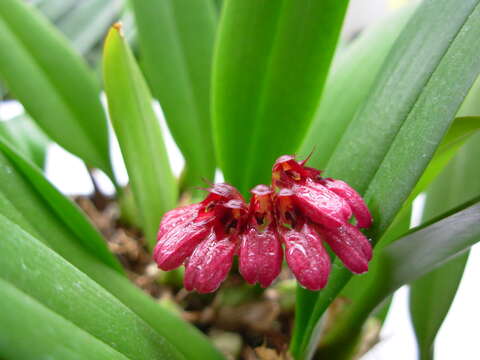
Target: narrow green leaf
{"x":21,"y":198}
{"x":63,"y":208}
{"x":39,"y":272}
{"x":176,"y":40}
{"x":348,"y":84}
{"x":432,"y":295}
{"x":422,"y":250}
{"x":53,"y":83}
{"x":416,"y":96}
{"x":25,"y":136}
{"x":35,"y":332}
{"x":139,"y":134}
{"x":270,"y":66}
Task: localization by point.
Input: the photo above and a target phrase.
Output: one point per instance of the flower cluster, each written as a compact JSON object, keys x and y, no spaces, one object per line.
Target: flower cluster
{"x":300,"y":212}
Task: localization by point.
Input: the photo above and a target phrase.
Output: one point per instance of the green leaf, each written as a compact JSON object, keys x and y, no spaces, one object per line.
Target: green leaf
{"x":176,"y":43}
{"x":35,"y":332}
{"x":270,"y":66}
{"x":139,"y":134}
{"x":53,"y":83}
{"x":432,"y":295}
{"x":21,"y":201}
{"x":39,"y":272}
{"x":87,"y":236}
{"x":25,"y":136}
{"x":349,"y":83}
{"x":416,"y":96}
{"x":422,"y":250}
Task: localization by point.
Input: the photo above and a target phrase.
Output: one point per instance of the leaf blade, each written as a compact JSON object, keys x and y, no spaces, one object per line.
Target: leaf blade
{"x":270,"y":66}
{"x":55,"y":86}
{"x":179,"y":72}
{"x":19,"y":201}
{"x":87,"y":235}
{"x":359,"y":63}
{"x":36,"y":332}
{"x":139,"y":134}
{"x":374,"y":174}
{"x":431,"y":295}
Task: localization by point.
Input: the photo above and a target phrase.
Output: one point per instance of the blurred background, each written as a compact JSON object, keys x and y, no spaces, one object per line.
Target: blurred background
{"x":83,"y":20}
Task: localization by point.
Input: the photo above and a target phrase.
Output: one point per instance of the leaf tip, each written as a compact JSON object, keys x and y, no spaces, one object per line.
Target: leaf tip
{"x":119,"y":27}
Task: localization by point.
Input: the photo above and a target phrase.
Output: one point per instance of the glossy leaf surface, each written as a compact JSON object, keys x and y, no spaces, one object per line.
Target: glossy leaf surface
{"x":36,"y":332}
{"x":54,"y":85}
{"x":421,"y":106}
{"x":432,"y":295}
{"x":61,"y":287}
{"x":87,"y":236}
{"x":405,"y":260}
{"x":25,"y":136}
{"x":270,"y":66}
{"x":176,"y":40}
{"x":349,"y":83}
{"x":139,"y":133}
{"x":20,"y":196}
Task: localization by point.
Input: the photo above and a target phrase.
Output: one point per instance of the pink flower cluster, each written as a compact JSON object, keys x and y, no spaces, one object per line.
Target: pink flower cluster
{"x":300,"y":212}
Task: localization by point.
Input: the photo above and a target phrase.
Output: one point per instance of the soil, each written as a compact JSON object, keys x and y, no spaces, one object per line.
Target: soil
{"x":243,"y":321}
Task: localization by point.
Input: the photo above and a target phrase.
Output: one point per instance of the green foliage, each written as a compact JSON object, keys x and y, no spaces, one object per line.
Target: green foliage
{"x":409,"y":102}
{"x":253,"y":77}
{"x":28,"y":338}
{"x":139,"y":134}
{"x":24,"y":135}
{"x":55,"y":86}
{"x":22,"y":204}
{"x":432,"y":294}
{"x":349,"y":83}
{"x":65,"y":290}
{"x":271,"y":62}
{"x":176,"y":42}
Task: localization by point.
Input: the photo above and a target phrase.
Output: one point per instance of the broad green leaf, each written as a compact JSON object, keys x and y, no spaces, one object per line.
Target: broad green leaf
{"x":20,"y":196}
{"x":270,"y":66}
{"x":459,"y":132}
{"x":44,"y":275}
{"x":416,"y":96}
{"x":176,"y":40}
{"x":87,"y":236}
{"x":139,"y":134}
{"x":410,"y":101}
{"x":25,"y":136}
{"x":35,"y":332}
{"x":86,"y":25}
{"x":432,"y":295}
{"x":348,"y":84}
{"x":53,"y":83}
{"x":405,"y":260}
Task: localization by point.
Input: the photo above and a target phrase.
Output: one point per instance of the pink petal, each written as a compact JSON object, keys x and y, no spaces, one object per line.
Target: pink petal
{"x":209,"y":264}
{"x":307,"y":258}
{"x":260,"y":256}
{"x":359,"y":208}
{"x":176,"y":244}
{"x":178,"y":217}
{"x":321,"y":205}
{"x":351,"y":246}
